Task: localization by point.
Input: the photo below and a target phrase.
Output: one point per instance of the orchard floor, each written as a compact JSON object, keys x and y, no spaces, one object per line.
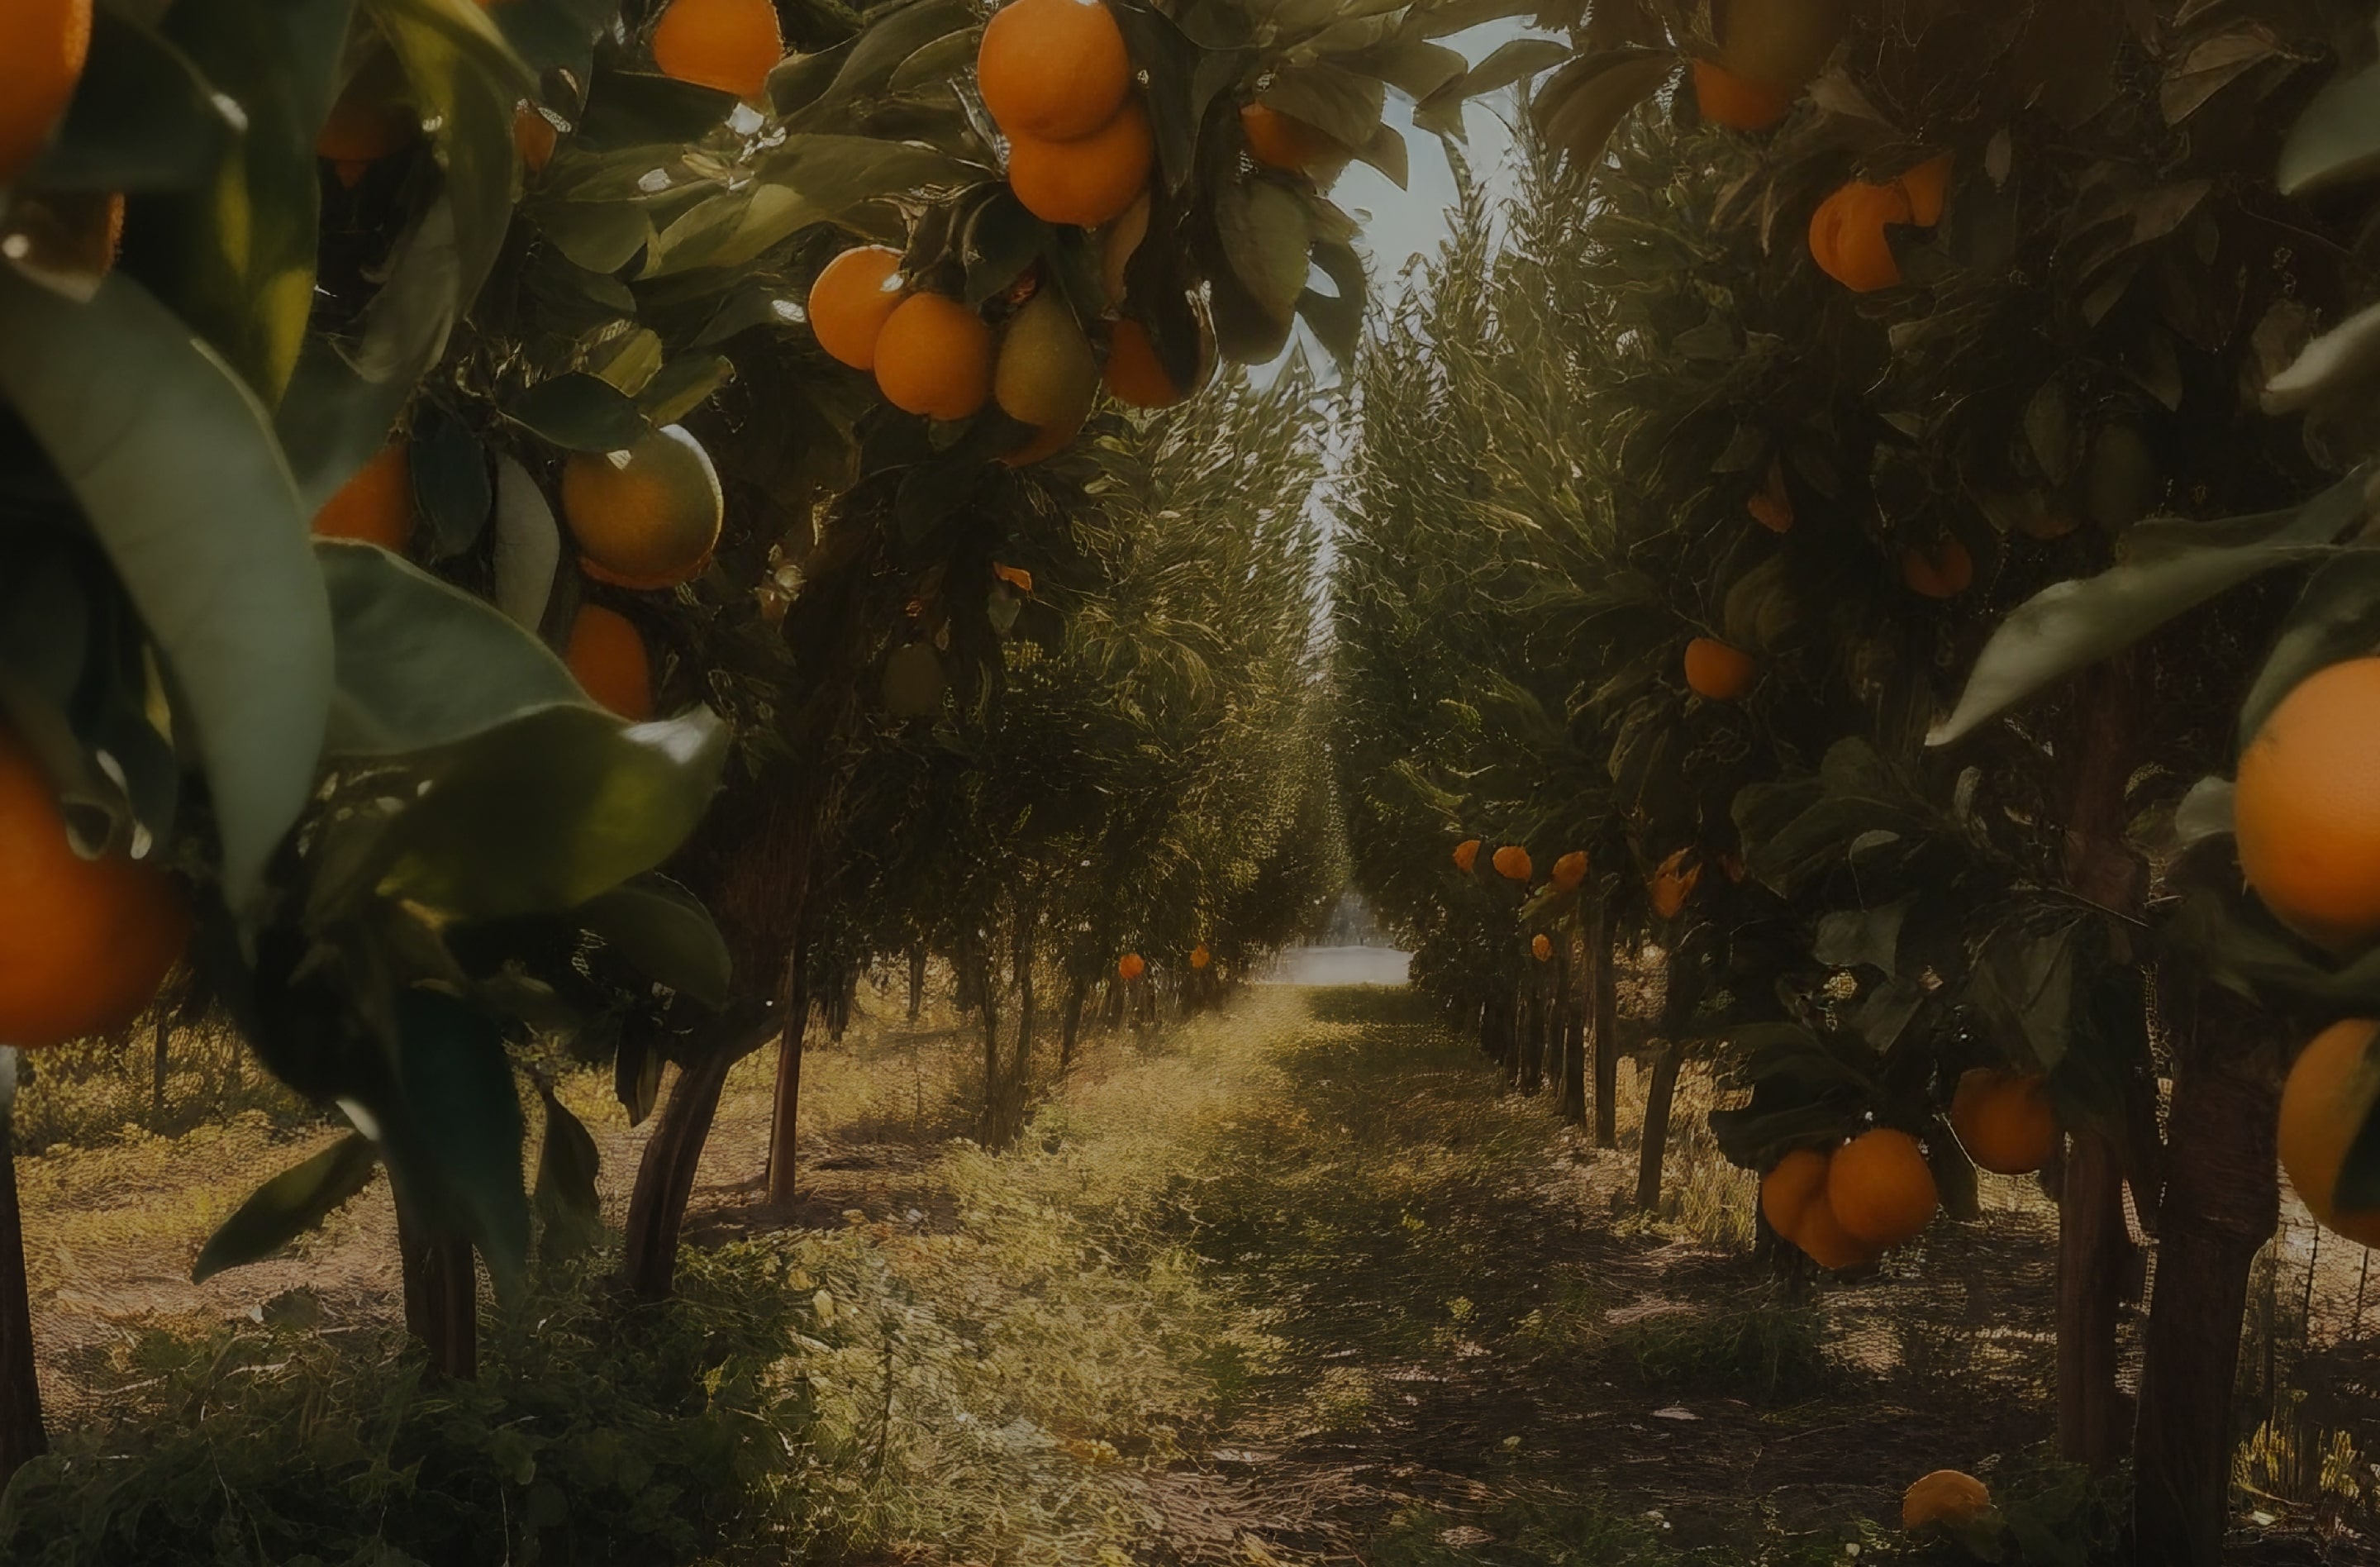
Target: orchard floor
{"x":1299,"y":1283}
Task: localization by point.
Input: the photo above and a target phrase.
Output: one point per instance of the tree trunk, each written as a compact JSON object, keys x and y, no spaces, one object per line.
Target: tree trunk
{"x":1605,"y":992}
{"x":1678,"y":1003}
{"x":1072,"y":1026}
{"x":1572,"y":1046}
{"x":2092,"y":1257}
{"x":917,"y":980}
{"x":1020,"y":1083}
{"x":22,"y":1437}
{"x":665,"y":1173}
{"x":441,"y":1298}
{"x":2221,"y":1203}
{"x":994,"y":1132}
{"x":784,"y":1124}
{"x":157,"y":1067}
{"x":1528,"y":1069}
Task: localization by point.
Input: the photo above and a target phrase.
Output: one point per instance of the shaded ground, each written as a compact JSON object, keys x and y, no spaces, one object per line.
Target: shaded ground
{"x":1298,"y":1283}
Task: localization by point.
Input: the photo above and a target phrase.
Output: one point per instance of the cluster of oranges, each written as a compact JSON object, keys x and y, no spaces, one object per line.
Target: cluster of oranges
{"x":1058,"y":80}
{"x":645,"y":519}
{"x":1847,"y":1206}
{"x":1512,"y":863}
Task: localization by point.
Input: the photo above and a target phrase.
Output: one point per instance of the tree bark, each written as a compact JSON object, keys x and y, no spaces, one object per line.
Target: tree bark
{"x":2221,"y":1203}
{"x":994,"y":1132}
{"x":1605,"y":993}
{"x":1678,"y":1004}
{"x":917,"y":980}
{"x":1572,"y":1044}
{"x":1020,"y":1081}
{"x":665,"y":1173}
{"x":1071,"y":1028}
{"x":1528,"y":1075}
{"x":22,"y":1436}
{"x":784,"y":1124}
{"x":441,"y":1298}
{"x":2092,"y":1257}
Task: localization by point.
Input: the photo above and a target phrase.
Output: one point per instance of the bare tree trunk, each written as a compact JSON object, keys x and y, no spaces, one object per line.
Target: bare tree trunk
{"x":1528,"y":1065}
{"x":995,"y":1132}
{"x":1654,"y":1150}
{"x":1071,"y":1028}
{"x":917,"y":980}
{"x":1574,"y":1041}
{"x":2092,"y":1247}
{"x":2221,"y":1203}
{"x":1605,"y":992}
{"x":441,"y":1298}
{"x":785,"y":1125}
{"x":1020,"y":1084}
{"x":22,"y":1436}
{"x":665,"y":1182}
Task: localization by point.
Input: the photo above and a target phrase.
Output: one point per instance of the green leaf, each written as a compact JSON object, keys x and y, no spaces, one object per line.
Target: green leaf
{"x":1266,"y":231}
{"x":1578,"y":106}
{"x":1342,"y":104}
{"x":565,"y":1203}
{"x":1183,"y":80}
{"x":143,"y":117}
{"x":2174,"y":567}
{"x":1514,"y":61}
{"x":579,"y":412}
{"x":664,"y":930}
{"x":529,"y":545}
{"x":2336,"y":617}
{"x":1850,"y":938}
{"x":466,"y":82}
{"x":422,"y":664}
{"x":287,"y":1205}
{"x":1413,"y":66}
{"x":451,"y":487}
{"x":639,"y":109}
{"x":453,"y":1137}
{"x":550,"y":811}
{"x":806,"y":179}
{"x":2341,"y":363}
{"x":174,"y":463}
{"x":684,"y":384}
{"x":2337,"y":138}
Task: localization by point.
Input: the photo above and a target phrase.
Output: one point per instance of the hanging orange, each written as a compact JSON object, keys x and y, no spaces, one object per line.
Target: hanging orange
{"x":1466,"y":855}
{"x":1512,"y":862}
{"x":934,"y":357}
{"x":1087,"y":181}
{"x":1735,"y":102}
{"x":607,"y":654}
{"x":1283,"y":142}
{"x":2329,"y":1095}
{"x":1717,"y":672}
{"x":728,"y":46}
{"x":1056,"y":71}
{"x":1944,"y":572}
{"x":1672,"y":883}
{"x":1130,"y":967}
{"x":376,"y":504}
{"x":1881,"y":1188}
{"x":647,"y":517}
{"x":2004,"y":1120}
{"x":851,"y":299}
{"x":2307,"y":807}
{"x":43,"y":46}
{"x":1134,"y":374}
{"x":1569,"y":870}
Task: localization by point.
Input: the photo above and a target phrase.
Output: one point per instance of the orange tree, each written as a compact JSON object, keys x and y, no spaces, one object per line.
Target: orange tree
{"x":1939,"y":332}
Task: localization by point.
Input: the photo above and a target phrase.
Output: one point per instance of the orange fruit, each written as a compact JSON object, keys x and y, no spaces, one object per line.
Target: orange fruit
{"x":1129,"y":967}
{"x":2324,"y":1106}
{"x":84,"y":944}
{"x":1283,"y":142}
{"x":1771,"y":505}
{"x":1570,"y":872}
{"x":371,"y":120}
{"x":43,"y":46}
{"x":934,"y":357}
{"x":607,"y":654}
{"x":1927,"y":186}
{"x":1829,"y":1244}
{"x":1134,"y":374}
{"x":1055,"y":70}
{"x":1847,"y":235}
{"x":1945,"y":572}
{"x":534,"y":136}
{"x":1466,"y":855}
{"x":1119,"y":244}
{"x":1512,"y":862}
{"x":1880,"y":1187}
{"x":731,"y":45}
{"x":2004,"y":1120}
{"x":1087,"y":181}
{"x":1541,"y":947}
{"x":1199,"y":956}
{"x":1944,"y":1497}
{"x":1672,"y":883}
{"x":1717,"y":671}
{"x":1735,"y":102}
{"x":852,"y":298}
{"x":2307,"y":807}
{"x":376,"y":505}
{"x":1792,"y":1185}
{"x":647,"y":517}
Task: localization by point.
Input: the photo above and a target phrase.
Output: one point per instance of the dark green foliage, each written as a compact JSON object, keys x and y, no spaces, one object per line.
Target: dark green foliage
{"x":596,"y":1434}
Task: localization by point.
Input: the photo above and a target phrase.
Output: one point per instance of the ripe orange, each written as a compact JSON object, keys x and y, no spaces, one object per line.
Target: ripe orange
{"x":1717,"y":671}
{"x":1090,"y":180}
{"x":647,"y":517}
{"x":534,"y":136}
{"x":1944,"y":1497}
{"x":1129,"y":967}
{"x":1511,"y":863}
{"x":1466,"y":855}
{"x":1880,"y":1188}
{"x":2307,"y":808}
{"x":607,"y":654}
{"x":376,"y":505}
{"x":934,"y":357}
{"x":728,"y":44}
{"x":1672,"y":883}
{"x":1829,"y":1244}
{"x":1199,"y":956}
{"x":1570,"y":872}
{"x":1134,"y":374}
{"x":373,"y":119}
{"x":1541,"y":947}
{"x":84,"y":944}
{"x":43,"y":46}
{"x":1793,"y":1196}
{"x":1737,"y":102}
{"x":1847,"y":235}
{"x":2324,"y":1106}
{"x":1283,"y":142}
{"x":1771,"y":505}
{"x":1945,"y":572}
{"x":2004,"y":1120}
{"x":1927,"y":186}
{"x":852,"y":298}
{"x":1056,"y":71}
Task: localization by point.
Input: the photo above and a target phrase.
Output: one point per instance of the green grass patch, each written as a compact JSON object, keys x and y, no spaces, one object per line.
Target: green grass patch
{"x":1767,"y":1353}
